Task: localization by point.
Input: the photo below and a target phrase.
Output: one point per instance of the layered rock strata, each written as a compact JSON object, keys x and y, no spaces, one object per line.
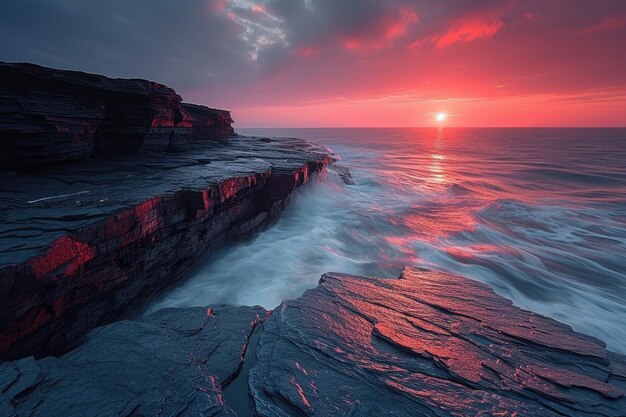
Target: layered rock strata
{"x":87,"y":243}
{"x":51,"y":116}
{"x":427,"y":344}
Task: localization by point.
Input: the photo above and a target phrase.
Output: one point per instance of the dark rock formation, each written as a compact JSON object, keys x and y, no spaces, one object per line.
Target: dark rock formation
{"x":428,"y":344}
{"x":171,"y":363}
{"x":85,"y":244}
{"x":49,"y":115}
{"x":82,"y":245}
{"x":205,"y":123}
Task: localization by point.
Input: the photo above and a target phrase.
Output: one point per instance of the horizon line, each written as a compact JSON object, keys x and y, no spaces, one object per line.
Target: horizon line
{"x":430,"y":127}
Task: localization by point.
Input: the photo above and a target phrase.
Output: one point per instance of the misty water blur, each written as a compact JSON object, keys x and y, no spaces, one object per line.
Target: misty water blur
{"x":538,"y":214}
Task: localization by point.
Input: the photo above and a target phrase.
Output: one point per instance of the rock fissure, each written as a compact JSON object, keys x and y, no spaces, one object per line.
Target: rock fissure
{"x":484,"y":372}
{"x":299,"y":361}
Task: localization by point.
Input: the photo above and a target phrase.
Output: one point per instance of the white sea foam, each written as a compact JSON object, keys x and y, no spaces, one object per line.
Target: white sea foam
{"x":542,"y":223}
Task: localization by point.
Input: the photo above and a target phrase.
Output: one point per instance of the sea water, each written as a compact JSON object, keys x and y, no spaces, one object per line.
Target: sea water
{"x":538,"y":214}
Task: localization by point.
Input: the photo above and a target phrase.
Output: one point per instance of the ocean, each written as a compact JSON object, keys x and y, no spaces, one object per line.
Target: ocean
{"x":538,"y":214}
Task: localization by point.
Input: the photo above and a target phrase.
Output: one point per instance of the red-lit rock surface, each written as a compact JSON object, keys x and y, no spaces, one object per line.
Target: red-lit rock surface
{"x":49,"y":115}
{"x":83,"y":244}
{"x":428,"y":344}
{"x":171,"y":363}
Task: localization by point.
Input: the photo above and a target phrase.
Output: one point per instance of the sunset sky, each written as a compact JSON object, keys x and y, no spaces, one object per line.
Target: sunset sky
{"x":309,"y":63}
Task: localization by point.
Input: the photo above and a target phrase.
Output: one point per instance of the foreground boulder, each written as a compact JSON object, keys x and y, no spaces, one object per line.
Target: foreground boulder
{"x":51,"y":116}
{"x":84,"y":244}
{"x":171,"y":363}
{"x":427,"y":344}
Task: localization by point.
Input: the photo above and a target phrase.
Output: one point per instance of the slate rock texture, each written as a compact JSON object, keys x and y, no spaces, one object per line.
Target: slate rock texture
{"x":427,"y":344}
{"x":171,"y":363}
{"x":51,"y":116}
{"x":87,"y":243}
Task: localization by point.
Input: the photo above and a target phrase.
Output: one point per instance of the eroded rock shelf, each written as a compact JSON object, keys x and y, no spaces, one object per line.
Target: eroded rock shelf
{"x":111,"y":190}
{"x":86,"y":243}
{"x":427,"y":344}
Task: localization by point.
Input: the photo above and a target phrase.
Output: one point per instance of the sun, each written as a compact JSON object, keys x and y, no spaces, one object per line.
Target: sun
{"x":441,"y":117}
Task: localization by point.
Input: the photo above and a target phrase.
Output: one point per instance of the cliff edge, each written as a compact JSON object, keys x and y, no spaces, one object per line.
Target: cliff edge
{"x":85,"y":243}
{"x":50,"y":116}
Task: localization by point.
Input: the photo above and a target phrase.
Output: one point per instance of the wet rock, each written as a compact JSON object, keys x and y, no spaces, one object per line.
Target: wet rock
{"x":427,"y":344}
{"x":84,"y":244}
{"x":51,"y":116}
{"x":343,"y":173}
{"x":171,"y":363}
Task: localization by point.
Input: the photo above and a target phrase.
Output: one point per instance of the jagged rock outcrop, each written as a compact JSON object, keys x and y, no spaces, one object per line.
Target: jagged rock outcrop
{"x":428,"y":344}
{"x":171,"y":363}
{"x":85,"y":244}
{"x":50,"y":116}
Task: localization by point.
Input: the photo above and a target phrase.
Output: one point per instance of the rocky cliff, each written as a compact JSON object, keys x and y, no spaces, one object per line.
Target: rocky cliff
{"x":86,"y":243}
{"x":427,"y":344}
{"x":49,"y":116}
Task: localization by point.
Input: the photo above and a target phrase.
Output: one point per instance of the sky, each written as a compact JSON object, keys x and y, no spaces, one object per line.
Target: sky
{"x":342,"y":63}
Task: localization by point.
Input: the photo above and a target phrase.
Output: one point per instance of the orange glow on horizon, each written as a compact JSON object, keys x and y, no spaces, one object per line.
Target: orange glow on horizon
{"x":531,"y":111}
{"x":400,"y":63}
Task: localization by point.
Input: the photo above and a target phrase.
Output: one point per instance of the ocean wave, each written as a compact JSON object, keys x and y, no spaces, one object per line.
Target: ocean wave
{"x":542,"y":223}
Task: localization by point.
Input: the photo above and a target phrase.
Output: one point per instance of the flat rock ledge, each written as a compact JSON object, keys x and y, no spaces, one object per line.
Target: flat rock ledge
{"x":87,"y":243}
{"x":171,"y":363}
{"x":427,"y":344}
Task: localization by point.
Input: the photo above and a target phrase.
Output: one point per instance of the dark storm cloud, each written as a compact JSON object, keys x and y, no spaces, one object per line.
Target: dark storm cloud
{"x":184,"y":43}
{"x":181,"y":43}
{"x":217,"y":44}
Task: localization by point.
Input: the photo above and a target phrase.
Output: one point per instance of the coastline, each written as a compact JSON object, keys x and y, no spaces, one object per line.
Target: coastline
{"x":427,"y":342}
{"x":88,"y":243}
{"x":114,"y":191}
{"x":120,"y":246}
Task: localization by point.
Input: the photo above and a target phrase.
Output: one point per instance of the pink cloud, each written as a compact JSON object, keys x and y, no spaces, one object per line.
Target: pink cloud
{"x":417,"y":44}
{"x":306,"y":51}
{"x":531,"y":16}
{"x":610,"y":23}
{"x":384,"y":32}
{"x":470,"y":27}
{"x":399,"y":27}
{"x":258,"y":8}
